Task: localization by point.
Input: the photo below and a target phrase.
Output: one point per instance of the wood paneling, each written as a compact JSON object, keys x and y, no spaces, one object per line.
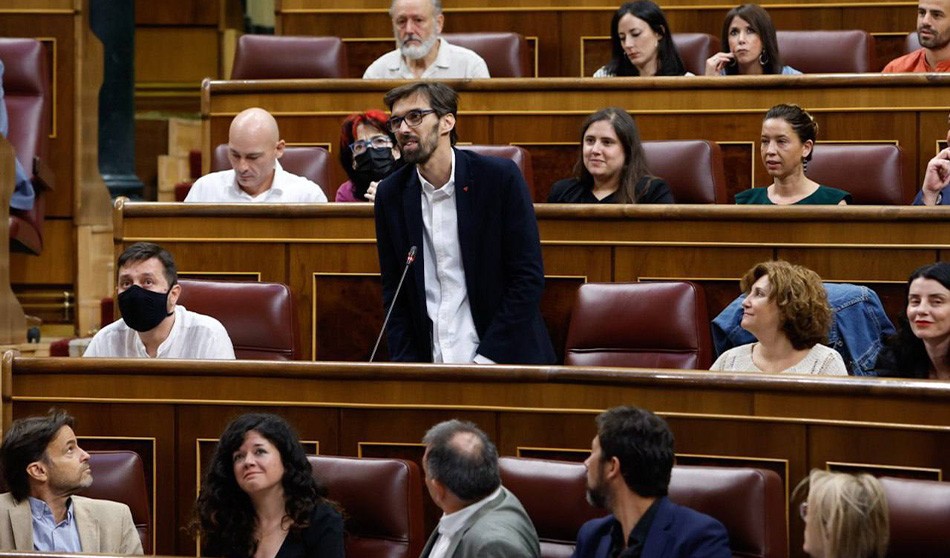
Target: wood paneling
{"x":786,"y":423}
{"x":326,"y":253}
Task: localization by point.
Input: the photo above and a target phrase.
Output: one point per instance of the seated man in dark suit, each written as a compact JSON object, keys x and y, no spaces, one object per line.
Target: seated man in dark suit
{"x":44,"y":467}
{"x":628,"y":472}
{"x":481,"y":517}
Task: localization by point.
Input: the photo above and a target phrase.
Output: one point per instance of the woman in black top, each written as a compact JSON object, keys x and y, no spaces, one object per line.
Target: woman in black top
{"x":921,"y":348}
{"x":259,"y":498}
{"x":612,"y":167}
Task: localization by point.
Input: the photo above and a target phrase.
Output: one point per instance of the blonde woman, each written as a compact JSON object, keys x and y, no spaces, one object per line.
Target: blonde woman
{"x":845,"y":516}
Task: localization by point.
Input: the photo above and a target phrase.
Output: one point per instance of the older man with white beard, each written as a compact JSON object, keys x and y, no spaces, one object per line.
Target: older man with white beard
{"x":420,"y":52}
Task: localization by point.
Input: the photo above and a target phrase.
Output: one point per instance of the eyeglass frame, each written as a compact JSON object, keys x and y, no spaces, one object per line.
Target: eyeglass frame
{"x":367,"y":142}
{"x":396,"y":121}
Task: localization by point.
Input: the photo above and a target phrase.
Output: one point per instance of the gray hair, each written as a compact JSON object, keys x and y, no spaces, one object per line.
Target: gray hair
{"x":436,"y":7}
{"x":471,"y":473}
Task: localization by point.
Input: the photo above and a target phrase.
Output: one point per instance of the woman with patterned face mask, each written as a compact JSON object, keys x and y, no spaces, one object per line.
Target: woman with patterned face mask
{"x":367,"y":153}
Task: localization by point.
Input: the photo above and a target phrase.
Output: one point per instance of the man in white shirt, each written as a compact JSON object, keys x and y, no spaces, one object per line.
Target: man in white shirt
{"x":420,"y":52}
{"x":480,"y":516}
{"x":474,"y":294}
{"x":152,"y":325}
{"x":254,"y":147}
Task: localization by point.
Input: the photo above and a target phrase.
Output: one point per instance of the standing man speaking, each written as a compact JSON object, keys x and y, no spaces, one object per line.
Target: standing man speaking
{"x":472,"y":294}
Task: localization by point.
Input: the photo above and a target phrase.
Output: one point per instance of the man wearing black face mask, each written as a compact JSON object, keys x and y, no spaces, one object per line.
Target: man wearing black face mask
{"x":152,"y":325}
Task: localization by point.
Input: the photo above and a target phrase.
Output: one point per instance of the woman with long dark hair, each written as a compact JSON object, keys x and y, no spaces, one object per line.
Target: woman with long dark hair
{"x":749,"y":45}
{"x":641,"y":43}
{"x":612,"y":167}
{"x":259,"y":498}
{"x":921,"y":348}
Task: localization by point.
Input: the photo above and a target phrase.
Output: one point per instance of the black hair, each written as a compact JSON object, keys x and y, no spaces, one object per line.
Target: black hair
{"x":25,"y":442}
{"x":668,"y":61}
{"x":470,"y":475}
{"x":142,"y":251}
{"x":643,"y":443}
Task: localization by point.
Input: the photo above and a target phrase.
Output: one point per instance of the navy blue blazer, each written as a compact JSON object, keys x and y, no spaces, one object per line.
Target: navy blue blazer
{"x":676,"y":532}
{"x":945,"y":197}
{"x":501,"y":254}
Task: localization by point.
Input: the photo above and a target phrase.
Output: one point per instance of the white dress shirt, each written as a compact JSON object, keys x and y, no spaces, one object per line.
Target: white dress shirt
{"x":452,"y":62}
{"x":450,"y":524}
{"x":221,"y":187}
{"x":454,"y":338}
{"x":192,"y":336}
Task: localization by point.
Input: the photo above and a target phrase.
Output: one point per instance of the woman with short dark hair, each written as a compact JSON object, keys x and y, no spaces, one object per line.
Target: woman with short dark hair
{"x":749,"y":45}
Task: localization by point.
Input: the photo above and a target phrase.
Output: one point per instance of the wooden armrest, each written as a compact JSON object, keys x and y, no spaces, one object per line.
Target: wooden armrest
{"x":43,"y":176}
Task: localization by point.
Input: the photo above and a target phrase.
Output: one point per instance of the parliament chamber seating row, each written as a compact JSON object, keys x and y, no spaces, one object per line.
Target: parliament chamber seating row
{"x":383,"y":500}
{"x":694,"y":169}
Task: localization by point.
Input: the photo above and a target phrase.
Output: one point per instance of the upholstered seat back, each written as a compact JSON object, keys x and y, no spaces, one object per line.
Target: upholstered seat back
{"x":750,"y":503}
{"x":694,"y":49}
{"x":519,"y":155}
{"x":309,"y":161}
{"x":827,"y":52}
{"x":120,"y":476}
{"x":919,"y":513}
{"x":286,"y":57}
{"x":381,"y":501}
{"x":505,"y":54}
{"x":642,"y":325}
{"x":871,"y":173}
{"x":259,"y":317}
{"x":912,"y":42}
{"x":554,"y":495}
{"x":693,"y":169}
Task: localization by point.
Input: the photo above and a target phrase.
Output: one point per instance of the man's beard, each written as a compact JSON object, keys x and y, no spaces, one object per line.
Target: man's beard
{"x":425,"y":147}
{"x":417,"y":52}
{"x":935,"y":42}
{"x":597,"y":497}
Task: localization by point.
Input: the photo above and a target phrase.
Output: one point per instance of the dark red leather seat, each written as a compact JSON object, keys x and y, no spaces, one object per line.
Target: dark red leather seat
{"x":286,"y":57}
{"x":505,"y":54}
{"x":694,"y":49}
{"x":28,"y":98}
{"x":382,"y":503}
{"x":120,"y":476}
{"x":311,"y":162}
{"x":871,"y":173}
{"x":827,"y":52}
{"x":919,"y":513}
{"x":749,"y":502}
{"x":519,"y":155}
{"x":641,"y":325}
{"x":693,"y":169}
{"x":259,"y":317}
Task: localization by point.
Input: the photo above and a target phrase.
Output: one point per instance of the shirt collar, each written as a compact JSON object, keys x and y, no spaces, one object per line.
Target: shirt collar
{"x":452,"y":523}
{"x":430,"y":190}
{"x":274,"y":185}
{"x":40,"y":510}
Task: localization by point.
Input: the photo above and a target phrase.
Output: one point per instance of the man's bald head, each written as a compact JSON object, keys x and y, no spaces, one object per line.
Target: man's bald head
{"x":461,"y":457}
{"x":254,"y":145}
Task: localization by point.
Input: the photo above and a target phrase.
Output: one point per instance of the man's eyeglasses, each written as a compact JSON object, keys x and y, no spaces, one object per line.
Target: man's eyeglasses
{"x":413,"y":118}
{"x":359,"y":147}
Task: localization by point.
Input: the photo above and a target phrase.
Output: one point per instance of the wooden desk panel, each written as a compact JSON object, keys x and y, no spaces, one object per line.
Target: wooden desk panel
{"x":326,"y":253}
{"x":786,"y":423}
{"x":544,"y":115}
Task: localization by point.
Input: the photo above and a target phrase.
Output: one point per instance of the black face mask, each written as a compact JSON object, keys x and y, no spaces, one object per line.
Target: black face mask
{"x":143,"y":310}
{"x":376,"y":163}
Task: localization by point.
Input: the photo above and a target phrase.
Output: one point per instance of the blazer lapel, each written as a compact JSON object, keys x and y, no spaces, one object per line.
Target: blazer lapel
{"x":412,"y":211}
{"x":429,"y":543}
{"x":88,"y":527}
{"x":658,"y":539}
{"x":21,"y":519}
{"x":487,"y":508}
{"x":464,"y":211}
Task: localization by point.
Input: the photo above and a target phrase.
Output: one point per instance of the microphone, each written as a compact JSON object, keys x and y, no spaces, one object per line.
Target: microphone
{"x":410,"y":257}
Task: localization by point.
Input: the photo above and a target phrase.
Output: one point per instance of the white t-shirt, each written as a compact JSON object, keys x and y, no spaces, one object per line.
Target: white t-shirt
{"x":193,"y":336}
{"x":819,"y":360}
{"x":453,"y":62}
{"x":221,"y":187}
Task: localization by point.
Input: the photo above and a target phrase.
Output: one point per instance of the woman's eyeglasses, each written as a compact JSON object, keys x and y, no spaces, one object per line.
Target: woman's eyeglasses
{"x":413,"y":118}
{"x":360,"y":146}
